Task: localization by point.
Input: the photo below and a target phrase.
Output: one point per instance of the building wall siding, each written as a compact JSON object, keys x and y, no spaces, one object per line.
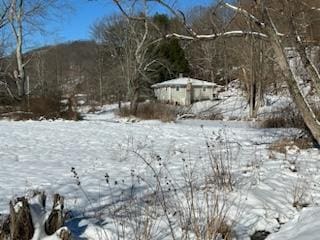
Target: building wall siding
{"x":199,"y":93}
{"x":171,"y":95}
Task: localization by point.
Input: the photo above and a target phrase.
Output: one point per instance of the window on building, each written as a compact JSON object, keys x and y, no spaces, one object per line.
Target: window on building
{"x":177,"y":88}
{"x":204,"y":89}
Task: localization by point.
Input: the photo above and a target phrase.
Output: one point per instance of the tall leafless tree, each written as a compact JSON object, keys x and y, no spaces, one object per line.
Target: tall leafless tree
{"x":131,"y":41}
{"x":25,"y":17}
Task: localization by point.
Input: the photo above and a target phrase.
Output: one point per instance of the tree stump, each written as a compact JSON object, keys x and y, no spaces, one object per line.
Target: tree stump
{"x":5,"y":228}
{"x":19,"y":225}
{"x":55,"y":219}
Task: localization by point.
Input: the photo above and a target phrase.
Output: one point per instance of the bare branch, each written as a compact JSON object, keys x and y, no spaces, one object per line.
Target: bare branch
{"x":117,"y":2}
{"x":246,"y":14}
{"x":6,"y":86}
{"x":253,"y":18}
{"x":310,"y":7}
{"x":175,"y":13}
{"x":217,"y":35}
{"x":3,"y":19}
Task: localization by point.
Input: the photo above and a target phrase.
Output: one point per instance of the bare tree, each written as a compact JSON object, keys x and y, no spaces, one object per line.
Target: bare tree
{"x":4,"y":67}
{"x":15,"y":18}
{"x":109,"y":34}
{"x":23,"y":17}
{"x":130,"y":43}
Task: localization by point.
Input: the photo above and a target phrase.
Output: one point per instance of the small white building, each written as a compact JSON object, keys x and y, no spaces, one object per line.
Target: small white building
{"x":184,"y":91}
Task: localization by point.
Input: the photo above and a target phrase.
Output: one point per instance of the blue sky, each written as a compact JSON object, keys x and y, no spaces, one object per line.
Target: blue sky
{"x":76,"y":25}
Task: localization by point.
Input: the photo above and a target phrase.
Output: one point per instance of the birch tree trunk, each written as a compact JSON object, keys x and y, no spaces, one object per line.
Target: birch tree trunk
{"x":16,"y":21}
{"x":26,"y":17}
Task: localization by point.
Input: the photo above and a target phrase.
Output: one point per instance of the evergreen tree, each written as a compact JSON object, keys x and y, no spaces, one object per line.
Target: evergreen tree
{"x":169,"y":52}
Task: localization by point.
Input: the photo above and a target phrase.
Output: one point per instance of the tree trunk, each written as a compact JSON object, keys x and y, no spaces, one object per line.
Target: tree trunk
{"x":55,"y":219}
{"x":258,"y":98}
{"x":305,"y":59}
{"x":19,"y":75}
{"x":21,"y":226}
{"x":259,"y":80}
{"x":303,"y":106}
{"x":15,"y":19}
{"x":134,"y":102}
{"x":252,"y":102}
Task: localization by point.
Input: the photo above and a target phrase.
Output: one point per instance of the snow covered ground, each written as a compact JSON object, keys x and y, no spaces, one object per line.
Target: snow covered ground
{"x":106,"y":153}
{"x":305,"y":225}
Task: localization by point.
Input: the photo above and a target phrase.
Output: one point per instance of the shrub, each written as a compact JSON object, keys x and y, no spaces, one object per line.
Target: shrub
{"x":287,"y":117}
{"x":44,"y":107}
{"x":284,"y":118}
{"x":300,"y":194}
{"x":221,"y":157}
{"x":152,"y":110}
{"x":170,"y":205}
{"x":6,"y":101}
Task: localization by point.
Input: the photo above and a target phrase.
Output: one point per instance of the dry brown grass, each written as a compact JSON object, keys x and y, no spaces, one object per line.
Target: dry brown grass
{"x":282,"y":145}
{"x":226,"y":231}
{"x":152,"y":110}
{"x":287,"y":117}
{"x":284,"y":118}
{"x":216,"y":227}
